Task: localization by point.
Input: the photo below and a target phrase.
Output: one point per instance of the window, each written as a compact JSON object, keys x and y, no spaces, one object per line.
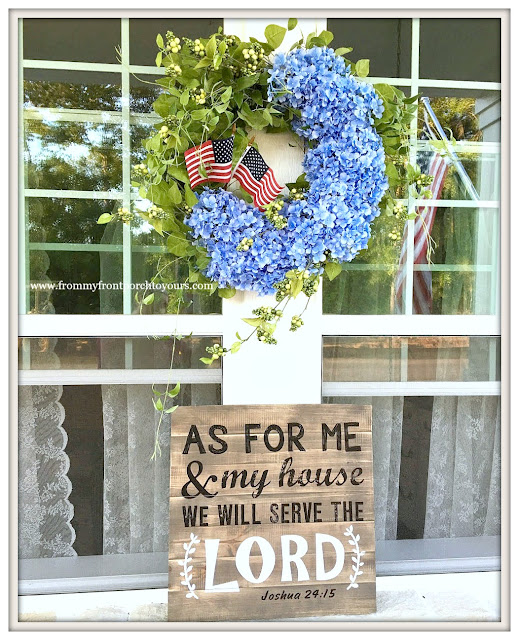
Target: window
{"x":418,"y":340}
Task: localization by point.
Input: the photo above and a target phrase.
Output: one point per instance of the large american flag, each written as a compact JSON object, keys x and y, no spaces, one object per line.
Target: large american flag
{"x":215,"y":156}
{"x":423,"y":223}
{"x":257,"y":178}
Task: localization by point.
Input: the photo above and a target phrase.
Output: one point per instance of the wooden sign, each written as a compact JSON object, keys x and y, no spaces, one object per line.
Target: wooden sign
{"x":271,"y":512}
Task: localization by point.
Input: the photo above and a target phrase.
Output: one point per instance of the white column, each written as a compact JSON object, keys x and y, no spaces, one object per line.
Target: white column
{"x":289,"y":372}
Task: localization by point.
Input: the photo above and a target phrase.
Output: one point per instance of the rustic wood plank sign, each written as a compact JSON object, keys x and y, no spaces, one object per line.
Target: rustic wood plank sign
{"x":271,"y":512}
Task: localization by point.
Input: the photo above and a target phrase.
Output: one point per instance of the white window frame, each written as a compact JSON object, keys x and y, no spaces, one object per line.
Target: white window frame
{"x":290,"y":373}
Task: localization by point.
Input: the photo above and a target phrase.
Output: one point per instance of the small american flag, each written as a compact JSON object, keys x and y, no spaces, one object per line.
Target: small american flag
{"x":215,"y":156}
{"x":422,"y":280}
{"x":257,"y":178}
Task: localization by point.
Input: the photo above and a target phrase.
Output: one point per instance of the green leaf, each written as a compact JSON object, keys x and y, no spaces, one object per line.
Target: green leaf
{"x":341,"y":51}
{"x":327,"y":36}
{"x":171,"y":409}
{"x":177,"y":245}
{"x":158,"y":59}
{"x":149,"y":299}
{"x":206,"y":360}
{"x":158,"y":404}
{"x":179,"y":173}
{"x":226,"y":95}
{"x":174,"y":193}
{"x":362,"y":68}
{"x":199,"y":114}
{"x":210,"y":47}
{"x":184,"y":98}
{"x":296,"y":286}
{"x":227,"y":292}
{"x":104,"y":218}
{"x":292,"y":23}
{"x":174,"y":392}
{"x":332,"y":270}
{"x":204,"y":62}
{"x":254,"y":322}
{"x":246,"y":81}
{"x":160,"y":41}
{"x":190,"y":197}
{"x":235,"y":347}
{"x":275,"y":35}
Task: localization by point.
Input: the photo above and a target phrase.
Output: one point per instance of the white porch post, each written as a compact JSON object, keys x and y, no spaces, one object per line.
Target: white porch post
{"x":289,"y":372}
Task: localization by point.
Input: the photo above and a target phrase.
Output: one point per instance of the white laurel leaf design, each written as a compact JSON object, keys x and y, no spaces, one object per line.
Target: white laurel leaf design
{"x":356,"y":563}
{"x":190,"y":549}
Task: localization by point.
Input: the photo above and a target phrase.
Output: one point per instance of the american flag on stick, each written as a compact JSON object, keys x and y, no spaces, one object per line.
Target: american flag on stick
{"x":257,"y":178}
{"x":215,"y":156}
{"x":423,"y":223}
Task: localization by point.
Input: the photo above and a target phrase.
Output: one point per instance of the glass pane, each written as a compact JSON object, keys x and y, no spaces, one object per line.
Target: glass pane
{"x":386,"y":42}
{"x":70,"y":220}
{"x":72,"y":282}
{"x":143,"y":32}
{"x":138,"y":133}
{"x":463,"y":236}
{"x":143,"y":92}
{"x":455,"y":292}
{"x":58,"y":89}
{"x":112,"y":353}
{"x":76,"y":39}
{"x":368,"y":285}
{"x":82,"y":156}
{"x":436,"y":463}
{"x":482,"y":169}
{"x":429,"y":358}
{"x":360,"y":359}
{"x":460,"y":49}
{"x":471,"y":115}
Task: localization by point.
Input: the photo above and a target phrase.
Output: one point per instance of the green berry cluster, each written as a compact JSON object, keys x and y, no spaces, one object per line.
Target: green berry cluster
{"x":245,"y":244}
{"x":272,"y":214}
{"x":310,"y":284}
{"x":399,"y":209}
{"x":173,"y":70}
{"x":171,"y":121}
{"x":125,"y":215}
{"x":165,"y":132}
{"x":253,"y":57}
{"x":140,"y":170}
{"x":266,"y":337}
{"x":188,"y":209}
{"x":172,"y":42}
{"x":295,"y":323}
{"x":199,"y":95}
{"x":283,"y":289}
{"x":394,"y":235}
{"x":156,"y":213}
{"x":217,"y":351}
{"x":424,"y":180}
{"x":268,"y":313}
{"x":195,"y":46}
{"x":297,"y":194}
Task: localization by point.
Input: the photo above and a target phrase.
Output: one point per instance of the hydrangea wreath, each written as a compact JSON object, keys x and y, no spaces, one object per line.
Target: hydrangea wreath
{"x":356,"y":137}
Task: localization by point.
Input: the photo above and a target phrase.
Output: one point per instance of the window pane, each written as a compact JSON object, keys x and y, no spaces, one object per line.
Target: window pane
{"x":386,"y":42}
{"x":113,"y":353}
{"x":460,"y":49}
{"x":143,"y":92}
{"x":68,"y":282}
{"x":415,"y":359}
{"x":455,"y":292}
{"x":367,"y":285}
{"x":436,"y":463}
{"x":58,"y":89}
{"x":70,"y":220}
{"x":76,"y":39}
{"x":143,"y":33}
{"x":471,"y":115}
{"x":81,"y":156}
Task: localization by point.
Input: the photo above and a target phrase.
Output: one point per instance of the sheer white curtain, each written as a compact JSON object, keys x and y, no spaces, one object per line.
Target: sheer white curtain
{"x":44,"y":510}
{"x":387,"y":444}
{"x":136,"y":489}
{"x":463,"y":489}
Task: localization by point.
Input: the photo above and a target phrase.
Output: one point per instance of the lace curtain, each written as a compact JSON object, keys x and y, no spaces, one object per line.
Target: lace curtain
{"x":463,"y":488}
{"x":44,"y":510}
